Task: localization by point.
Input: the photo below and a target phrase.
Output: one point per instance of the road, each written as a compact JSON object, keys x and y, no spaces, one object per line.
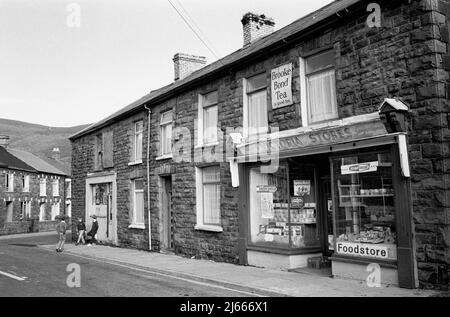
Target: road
{"x":27,"y":270}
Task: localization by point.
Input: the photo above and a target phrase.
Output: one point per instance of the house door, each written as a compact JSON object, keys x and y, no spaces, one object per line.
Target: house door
{"x":167,"y":225}
{"x":102,"y":206}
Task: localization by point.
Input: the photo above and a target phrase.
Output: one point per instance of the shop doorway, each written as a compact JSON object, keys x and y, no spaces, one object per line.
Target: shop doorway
{"x":167,"y":219}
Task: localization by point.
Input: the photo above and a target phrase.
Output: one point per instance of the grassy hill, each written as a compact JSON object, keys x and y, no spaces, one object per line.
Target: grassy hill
{"x":39,"y":139}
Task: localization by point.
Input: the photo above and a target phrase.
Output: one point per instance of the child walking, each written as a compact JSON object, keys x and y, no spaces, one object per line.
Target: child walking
{"x":61,"y":230}
{"x":81,"y":227}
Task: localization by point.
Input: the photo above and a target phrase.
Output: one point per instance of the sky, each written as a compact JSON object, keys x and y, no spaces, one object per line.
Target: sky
{"x":66,"y":63}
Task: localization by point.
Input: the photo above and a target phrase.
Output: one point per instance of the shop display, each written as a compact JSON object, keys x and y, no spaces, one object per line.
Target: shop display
{"x":365,"y":212}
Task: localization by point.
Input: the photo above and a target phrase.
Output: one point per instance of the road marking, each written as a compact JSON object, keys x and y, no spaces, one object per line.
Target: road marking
{"x":149,"y":272}
{"x":13,"y":276}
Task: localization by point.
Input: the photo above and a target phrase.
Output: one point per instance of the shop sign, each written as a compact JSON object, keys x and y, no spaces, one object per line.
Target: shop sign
{"x":364,"y":250}
{"x":302,"y":187}
{"x":359,"y":168}
{"x":266,"y":189}
{"x":281,"y":84}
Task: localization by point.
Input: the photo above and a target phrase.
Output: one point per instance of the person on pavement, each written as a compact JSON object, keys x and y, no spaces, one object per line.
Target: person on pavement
{"x":81,"y":227}
{"x":93,"y":232}
{"x":61,"y":228}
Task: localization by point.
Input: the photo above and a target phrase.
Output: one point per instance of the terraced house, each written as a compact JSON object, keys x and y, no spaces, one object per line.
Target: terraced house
{"x":323,"y":142}
{"x":32,"y":191}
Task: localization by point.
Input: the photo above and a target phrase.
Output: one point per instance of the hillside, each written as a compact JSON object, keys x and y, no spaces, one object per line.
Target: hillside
{"x":39,"y":139}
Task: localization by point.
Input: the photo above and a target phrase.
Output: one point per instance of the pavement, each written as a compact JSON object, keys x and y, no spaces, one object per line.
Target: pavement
{"x":246,"y":279}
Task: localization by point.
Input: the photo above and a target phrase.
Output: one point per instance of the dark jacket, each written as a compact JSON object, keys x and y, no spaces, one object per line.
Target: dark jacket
{"x":94,"y":229}
{"x":81,"y":226}
{"x":61,"y":227}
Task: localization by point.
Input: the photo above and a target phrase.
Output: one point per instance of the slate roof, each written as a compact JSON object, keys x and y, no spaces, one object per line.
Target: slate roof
{"x":257,"y":47}
{"x":8,"y":160}
{"x":35,"y":162}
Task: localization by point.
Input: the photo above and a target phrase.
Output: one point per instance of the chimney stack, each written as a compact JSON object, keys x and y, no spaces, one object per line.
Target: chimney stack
{"x":186,"y":64}
{"x":256,"y":26}
{"x":56,"y":155}
{"x":4,"y":141}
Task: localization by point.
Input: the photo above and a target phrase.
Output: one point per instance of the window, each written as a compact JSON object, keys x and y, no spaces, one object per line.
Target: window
{"x":365,"y":210}
{"x":98,"y":152}
{"x":166,"y":133}
{"x":137,"y":142}
{"x":207,"y":118}
{"x":9,"y":182}
{"x":318,"y":89}
{"x":68,"y":209}
{"x":255,"y":106}
{"x":108,"y":149}
{"x":138,"y":203}
{"x":68,"y":188}
{"x":25,"y":207}
{"x":208,"y":198}
{"x":42,"y":213}
{"x":55,"y":187}
{"x":43,"y":187}
{"x":55,"y":210}
{"x":9,"y":211}
{"x":25,"y":183}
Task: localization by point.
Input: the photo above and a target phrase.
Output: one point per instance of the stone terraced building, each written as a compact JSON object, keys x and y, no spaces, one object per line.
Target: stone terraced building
{"x":324,"y":143}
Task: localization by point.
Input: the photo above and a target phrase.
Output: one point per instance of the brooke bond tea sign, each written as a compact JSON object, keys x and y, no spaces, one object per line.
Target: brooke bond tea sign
{"x":281,"y":86}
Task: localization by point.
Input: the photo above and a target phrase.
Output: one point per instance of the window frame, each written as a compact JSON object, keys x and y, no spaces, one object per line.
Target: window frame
{"x":25,"y":183}
{"x":55,"y":193}
{"x":246,"y":94}
{"x":202,"y":106}
{"x":136,"y":133}
{"x":25,"y":208}
{"x":200,"y":223}
{"x":304,"y":106}
{"x":133,"y":221}
{"x":9,"y":182}
{"x":43,"y":185}
{"x":164,"y":125}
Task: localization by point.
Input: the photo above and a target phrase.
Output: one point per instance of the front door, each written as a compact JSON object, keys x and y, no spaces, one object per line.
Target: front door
{"x":101,"y":205}
{"x":326,"y":206}
{"x":167,"y":223}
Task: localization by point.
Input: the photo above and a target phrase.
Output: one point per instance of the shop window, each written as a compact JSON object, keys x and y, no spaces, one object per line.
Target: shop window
{"x":318,"y":88}
{"x":365,"y":212}
{"x":207,"y":118}
{"x":255,"y":106}
{"x":208,"y":197}
{"x":166,"y":133}
{"x":43,"y":187}
{"x":137,"y":218}
{"x":9,"y":182}
{"x":25,"y":183}
{"x":283,"y":208}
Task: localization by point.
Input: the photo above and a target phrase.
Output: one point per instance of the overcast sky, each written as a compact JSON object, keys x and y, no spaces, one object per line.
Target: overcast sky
{"x":58,"y":75}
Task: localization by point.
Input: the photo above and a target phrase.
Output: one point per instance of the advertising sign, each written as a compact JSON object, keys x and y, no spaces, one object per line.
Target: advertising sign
{"x":302,"y":187}
{"x":281,"y":84}
{"x":359,"y":168}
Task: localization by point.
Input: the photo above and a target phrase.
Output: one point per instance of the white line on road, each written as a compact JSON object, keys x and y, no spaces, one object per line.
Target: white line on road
{"x":13,"y":276}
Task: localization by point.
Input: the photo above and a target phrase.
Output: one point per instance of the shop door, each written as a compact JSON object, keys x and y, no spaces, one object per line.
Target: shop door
{"x":167,"y":215}
{"x":326,"y":206}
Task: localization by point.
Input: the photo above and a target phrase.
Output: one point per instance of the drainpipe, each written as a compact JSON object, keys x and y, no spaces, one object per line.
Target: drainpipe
{"x":148,"y":180}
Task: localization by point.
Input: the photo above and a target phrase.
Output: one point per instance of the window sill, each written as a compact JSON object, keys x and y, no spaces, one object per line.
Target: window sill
{"x":208,"y":228}
{"x":200,"y":146}
{"x":164,"y":157}
{"x":135,"y":163}
{"x":136,"y":226}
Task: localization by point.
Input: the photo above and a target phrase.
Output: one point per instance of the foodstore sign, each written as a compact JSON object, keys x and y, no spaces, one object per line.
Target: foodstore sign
{"x":365,"y":250}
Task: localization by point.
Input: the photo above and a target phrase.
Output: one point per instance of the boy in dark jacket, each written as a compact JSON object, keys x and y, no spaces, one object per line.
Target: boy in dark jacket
{"x":93,"y":230}
{"x":61,"y":230}
{"x":81,"y":227}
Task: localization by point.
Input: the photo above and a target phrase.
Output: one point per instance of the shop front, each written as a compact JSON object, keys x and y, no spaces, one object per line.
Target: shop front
{"x":338,"y":193}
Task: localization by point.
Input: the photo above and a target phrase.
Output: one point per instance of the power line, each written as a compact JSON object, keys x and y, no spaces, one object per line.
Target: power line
{"x":192,"y":29}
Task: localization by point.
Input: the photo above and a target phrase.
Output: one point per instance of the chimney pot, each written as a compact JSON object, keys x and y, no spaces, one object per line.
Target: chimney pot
{"x":186,"y":64}
{"x":256,"y":26}
{"x":4,"y":141}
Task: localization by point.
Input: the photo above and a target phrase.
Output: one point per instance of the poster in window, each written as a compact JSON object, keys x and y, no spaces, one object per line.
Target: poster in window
{"x":281,"y":86}
{"x":302,"y":187}
{"x":267,"y":210}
